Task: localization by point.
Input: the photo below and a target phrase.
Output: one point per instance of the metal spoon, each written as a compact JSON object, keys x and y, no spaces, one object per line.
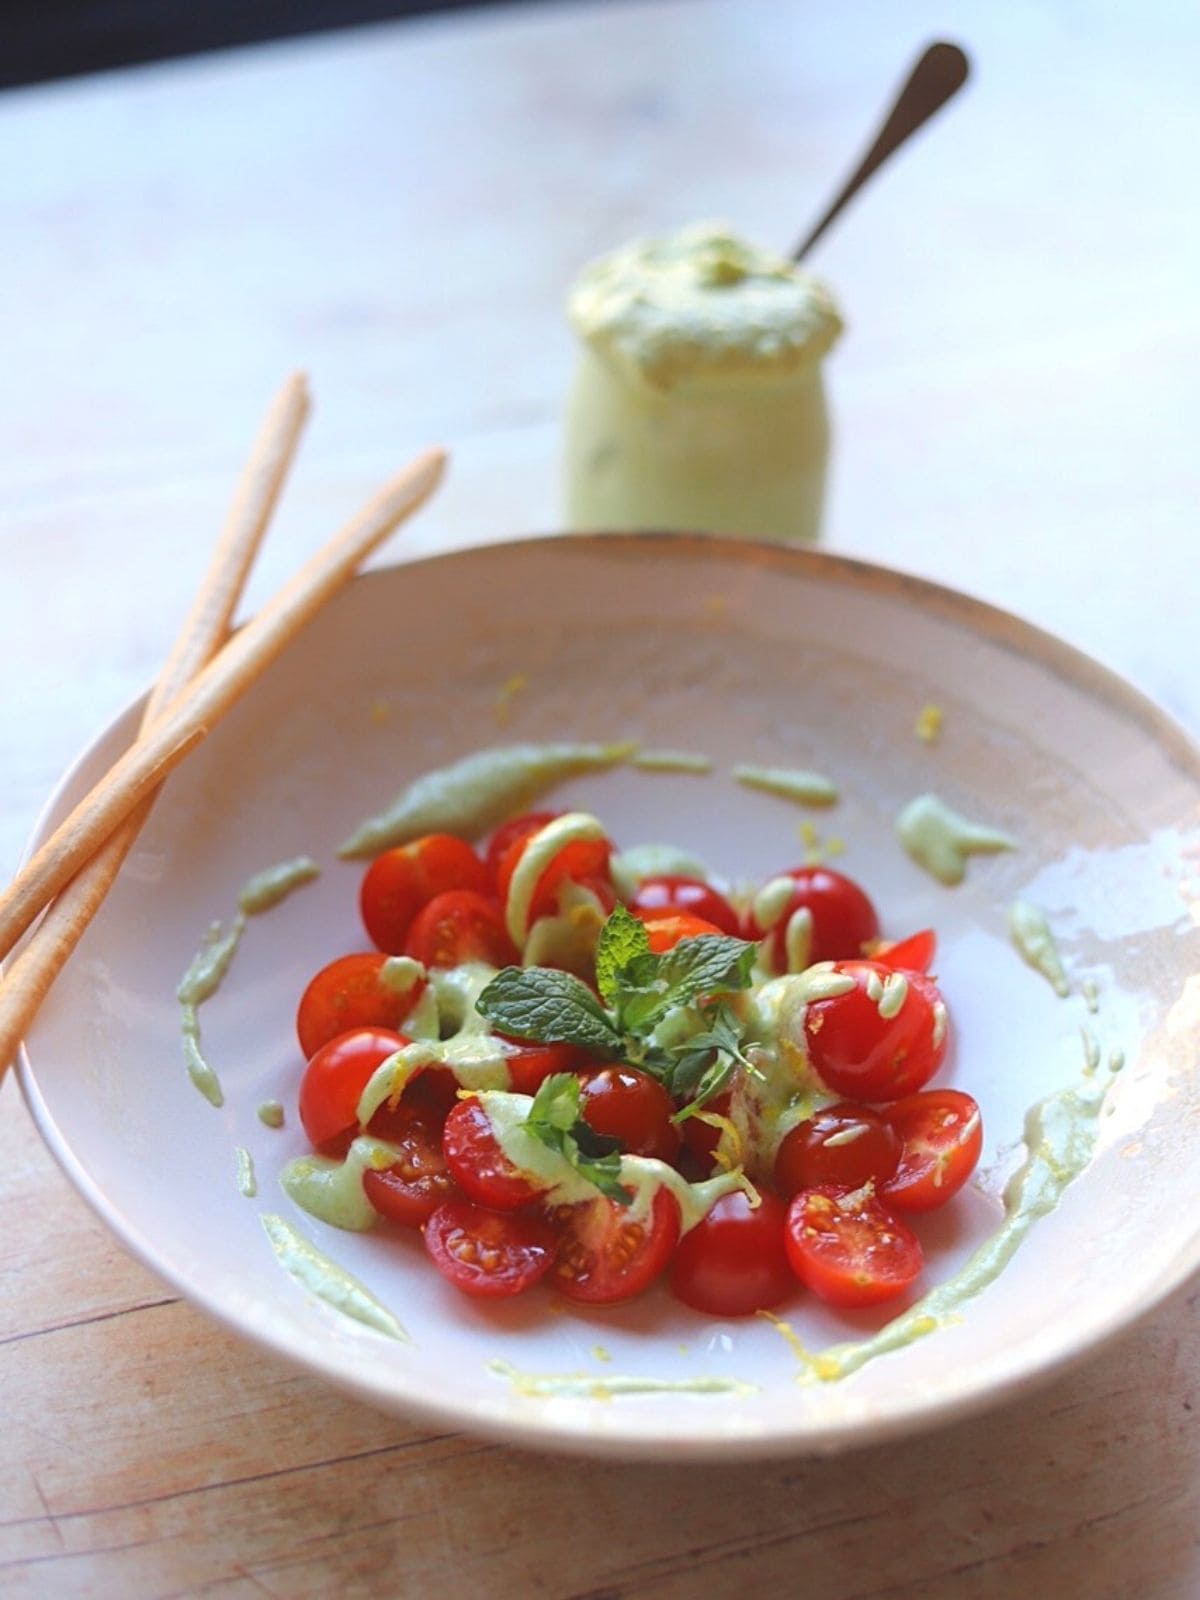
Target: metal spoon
{"x":937,"y":77}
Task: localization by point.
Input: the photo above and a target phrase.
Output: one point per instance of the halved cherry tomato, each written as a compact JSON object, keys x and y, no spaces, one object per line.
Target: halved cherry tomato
{"x":488,"y":1253}
{"x":351,"y":993}
{"x":670,"y":892}
{"x":942,"y":1136}
{"x":606,"y":1255}
{"x":333,"y":1083}
{"x":476,"y":1159}
{"x":582,"y":861}
{"x":529,"y":1065}
{"x":734,"y":1262}
{"x":866,"y":1055}
{"x":419,"y":1181}
{"x":399,"y":882}
{"x":667,"y":928}
{"x":914,"y":954}
{"x":849,"y":1249}
{"x":632,"y":1107}
{"x":507,"y":834}
{"x":843,"y":918}
{"x":842,"y":1146}
{"x":460,"y":926}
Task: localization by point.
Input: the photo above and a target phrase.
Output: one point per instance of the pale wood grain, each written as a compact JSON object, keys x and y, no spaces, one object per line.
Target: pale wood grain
{"x":1015,"y":407}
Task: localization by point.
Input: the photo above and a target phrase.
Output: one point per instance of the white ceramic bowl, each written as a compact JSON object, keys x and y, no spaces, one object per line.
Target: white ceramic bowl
{"x":746,"y":654}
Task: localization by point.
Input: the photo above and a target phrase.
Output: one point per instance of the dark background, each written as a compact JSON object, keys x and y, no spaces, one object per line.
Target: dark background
{"x":41,"y":39}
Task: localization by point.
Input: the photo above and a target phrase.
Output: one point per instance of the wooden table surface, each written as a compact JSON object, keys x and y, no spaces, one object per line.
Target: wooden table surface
{"x":400,"y":211}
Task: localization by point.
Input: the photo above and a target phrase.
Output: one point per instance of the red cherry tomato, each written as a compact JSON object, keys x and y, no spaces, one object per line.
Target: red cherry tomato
{"x":529,"y":1065}
{"x":865,"y":1055}
{"x":632,"y":1107}
{"x":666,"y":929}
{"x":670,"y":892}
{"x":914,"y":954}
{"x":507,"y":834}
{"x":460,"y":926}
{"x":942,"y":1137}
{"x":488,"y":1253}
{"x":606,"y":1255}
{"x":351,"y":993}
{"x":333,"y":1083}
{"x":843,"y":919}
{"x":476,"y":1159}
{"x":419,"y":1181}
{"x":849,"y":1249}
{"x":842,"y":1146}
{"x":701,"y":1138}
{"x":400,"y":881}
{"x":734,"y":1262}
{"x":582,"y":861}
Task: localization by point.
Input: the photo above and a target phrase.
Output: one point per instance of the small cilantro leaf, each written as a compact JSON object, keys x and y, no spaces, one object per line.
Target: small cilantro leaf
{"x":555,"y":1120}
{"x":549,"y":1007}
{"x":622,"y":939}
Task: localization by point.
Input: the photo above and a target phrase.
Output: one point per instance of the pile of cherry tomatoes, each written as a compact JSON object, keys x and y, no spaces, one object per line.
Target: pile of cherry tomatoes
{"x":833,"y":1210}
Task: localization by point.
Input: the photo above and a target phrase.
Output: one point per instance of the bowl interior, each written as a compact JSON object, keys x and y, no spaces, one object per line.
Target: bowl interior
{"x":744,"y":654}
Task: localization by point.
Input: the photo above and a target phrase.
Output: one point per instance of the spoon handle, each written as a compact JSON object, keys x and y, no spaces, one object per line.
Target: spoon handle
{"x":937,"y":77}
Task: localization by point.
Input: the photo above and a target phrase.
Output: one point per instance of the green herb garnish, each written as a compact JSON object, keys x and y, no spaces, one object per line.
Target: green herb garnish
{"x":556,"y":1120}
{"x":639,"y":990}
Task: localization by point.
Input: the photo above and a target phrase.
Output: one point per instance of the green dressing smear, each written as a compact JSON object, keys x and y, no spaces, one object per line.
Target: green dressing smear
{"x":1032,"y":936}
{"x":270,"y":1114}
{"x":940,"y":840}
{"x":590,"y":1386}
{"x":246,"y":1181}
{"x":672,"y":761}
{"x":213,"y":959}
{"x":313,"y":1269}
{"x":475,"y":794}
{"x":1060,"y":1137}
{"x":808,"y":788}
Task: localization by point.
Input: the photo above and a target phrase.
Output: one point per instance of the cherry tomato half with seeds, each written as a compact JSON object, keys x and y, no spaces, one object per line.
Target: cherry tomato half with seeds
{"x":734,"y":1261}
{"x":333,"y":1083}
{"x":489,"y":1254}
{"x":399,"y":882}
{"x":351,"y":992}
{"x":849,"y":1249}
{"x":843,"y":920}
{"x":457,"y":927}
{"x":632,"y":1107}
{"x":941,"y":1133}
{"x":418,"y":1181}
{"x":475,"y":1157}
{"x":841,"y":1146}
{"x":606,"y":1254}
{"x":881,"y":1040}
{"x":670,"y":892}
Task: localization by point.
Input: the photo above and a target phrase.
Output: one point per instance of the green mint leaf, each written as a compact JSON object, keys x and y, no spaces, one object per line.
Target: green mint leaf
{"x":712,"y":963}
{"x":549,"y":1007}
{"x":712,"y":1080}
{"x":554,"y":1119}
{"x":622,"y":938}
{"x":705,"y":1061}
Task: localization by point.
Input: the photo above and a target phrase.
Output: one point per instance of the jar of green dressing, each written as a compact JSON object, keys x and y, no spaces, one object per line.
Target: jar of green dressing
{"x":699,"y":401}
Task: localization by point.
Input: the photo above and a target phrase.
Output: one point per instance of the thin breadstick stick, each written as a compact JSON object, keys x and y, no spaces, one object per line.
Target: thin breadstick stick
{"x":211,"y":694}
{"x":205,"y":628}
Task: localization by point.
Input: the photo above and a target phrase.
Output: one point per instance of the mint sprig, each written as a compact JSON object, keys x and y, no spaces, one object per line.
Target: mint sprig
{"x":638,"y":990}
{"x":555,"y":1119}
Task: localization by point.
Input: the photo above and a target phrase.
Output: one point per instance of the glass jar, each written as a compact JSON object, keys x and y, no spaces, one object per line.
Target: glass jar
{"x":699,"y":403}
